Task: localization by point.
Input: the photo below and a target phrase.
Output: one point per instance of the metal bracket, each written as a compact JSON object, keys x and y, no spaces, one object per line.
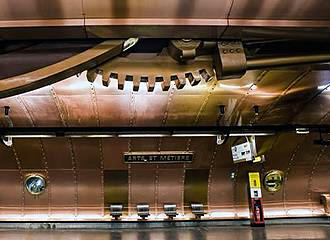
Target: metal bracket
{"x":184,"y":49}
{"x":229,"y":60}
{"x":8,"y":141}
{"x":325,"y":200}
{"x":221,"y":139}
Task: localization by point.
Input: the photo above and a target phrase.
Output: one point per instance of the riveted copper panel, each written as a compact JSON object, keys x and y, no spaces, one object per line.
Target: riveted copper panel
{"x":319,"y":175}
{"x":113,"y":110}
{"x":18,"y":112}
{"x":43,"y":110}
{"x":298,"y":176}
{"x":63,"y":192}
{"x":115,"y":188}
{"x":30,"y":155}
{"x":289,"y":105}
{"x":169,"y":188}
{"x":87,"y":152}
{"x":21,"y":10}
{"x":12,"y":198}
{"x":144,"y":145}
{"x":90,"y":199}
{"x":277,"y":9}
{"x":203,"y":148}
{"x":8,"y":157}
{"x":221,"y":186}
{"x":268,"y":89}
{"x":142,"y":188}
{"x":113,"y":149}
{"x":150,"y":108}
{"x":195,"y":186}
{"x":157,"y":9}
{"x":54,"y":159}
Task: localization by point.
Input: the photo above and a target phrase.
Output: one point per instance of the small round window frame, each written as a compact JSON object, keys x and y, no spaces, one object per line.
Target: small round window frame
{"x":35,"y":176}
{"x":278,"y":186}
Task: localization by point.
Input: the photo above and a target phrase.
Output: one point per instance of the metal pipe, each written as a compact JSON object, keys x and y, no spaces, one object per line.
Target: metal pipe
{"x":282,"y":61}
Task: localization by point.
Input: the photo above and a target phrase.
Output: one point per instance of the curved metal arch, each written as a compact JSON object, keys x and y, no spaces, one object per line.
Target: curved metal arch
{"x":61,"y":70}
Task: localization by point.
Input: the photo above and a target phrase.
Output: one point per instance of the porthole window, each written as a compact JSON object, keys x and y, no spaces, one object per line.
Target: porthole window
{"x":35,"y":184}
{"x":273,"y":180}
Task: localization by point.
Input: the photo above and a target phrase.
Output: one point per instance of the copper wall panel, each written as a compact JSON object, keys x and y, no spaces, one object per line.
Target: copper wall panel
{"x":113,"y":149}
{"x":150,"y":109}
{"x":170,"y":186}
{"x":298,"y":176}
{"x":221,"y":194}
{"x":30,"y":155}
{"x":319,"y":175}
{"x":316,"y":111}
{"x":288,"y":9}
{"x":76,"y":117}
{"x":195,"y":186}
{"x":157,"y":9}
{"x":52,"y":146}
{"x":18,"y":112}
{"x":297,"y":97}
{"x":34,"y":9}
{"x":142,"y":188}
{"x":269,"y":87}
{"x":11,"y":199}
{"x":7,"y":158}
{"x":90,"y":192}
{"x":159,"y":183}
{"x":115,"y":188}
{"x":221,"y":186}
{"x":87,"y":152}
{"x":113,"y":110}
{"x":183,"y":110}
{"x":43,"y":110}
{"x":203,"y":148}
{"x":144,"y":145}
{"x":63,"y":192}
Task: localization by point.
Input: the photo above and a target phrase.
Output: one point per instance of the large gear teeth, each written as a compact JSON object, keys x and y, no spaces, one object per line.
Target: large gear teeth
{"x":179,"y":79}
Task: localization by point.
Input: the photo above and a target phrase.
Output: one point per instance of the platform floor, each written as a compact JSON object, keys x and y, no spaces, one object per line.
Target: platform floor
{"x":276,"y":232}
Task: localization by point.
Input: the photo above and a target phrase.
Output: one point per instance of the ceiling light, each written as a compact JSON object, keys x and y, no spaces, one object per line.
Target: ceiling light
{"x":144,"y":135}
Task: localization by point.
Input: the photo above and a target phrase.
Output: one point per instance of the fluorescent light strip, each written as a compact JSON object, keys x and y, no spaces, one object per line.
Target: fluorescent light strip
{"x":145,"y":135}
{"x":250,"y":134}
{"x":31,"y":136}
{"x":90,"y":135}
{"x":194,"y":135}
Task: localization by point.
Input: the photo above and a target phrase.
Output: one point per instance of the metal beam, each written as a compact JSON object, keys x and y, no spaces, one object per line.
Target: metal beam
{"x":198,"y":131}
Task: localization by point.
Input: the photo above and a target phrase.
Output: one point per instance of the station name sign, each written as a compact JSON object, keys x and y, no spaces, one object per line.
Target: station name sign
{"x":158,"y":157}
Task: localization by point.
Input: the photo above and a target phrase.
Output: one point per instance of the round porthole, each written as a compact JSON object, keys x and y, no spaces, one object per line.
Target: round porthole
{"x":35,"y":184}
{"x":273,"y":180}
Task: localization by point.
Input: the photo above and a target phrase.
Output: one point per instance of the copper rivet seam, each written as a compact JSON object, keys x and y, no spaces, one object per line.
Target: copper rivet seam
{"x":75,"y":176}
{"x":19,"y":167}
{"x":45,"y":163}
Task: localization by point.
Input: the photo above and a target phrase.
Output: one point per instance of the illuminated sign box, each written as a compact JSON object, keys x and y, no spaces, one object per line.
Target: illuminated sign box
{"x":158,"y":157}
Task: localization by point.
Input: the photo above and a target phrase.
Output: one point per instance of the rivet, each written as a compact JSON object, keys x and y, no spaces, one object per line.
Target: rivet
{"x":231,"y":50}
